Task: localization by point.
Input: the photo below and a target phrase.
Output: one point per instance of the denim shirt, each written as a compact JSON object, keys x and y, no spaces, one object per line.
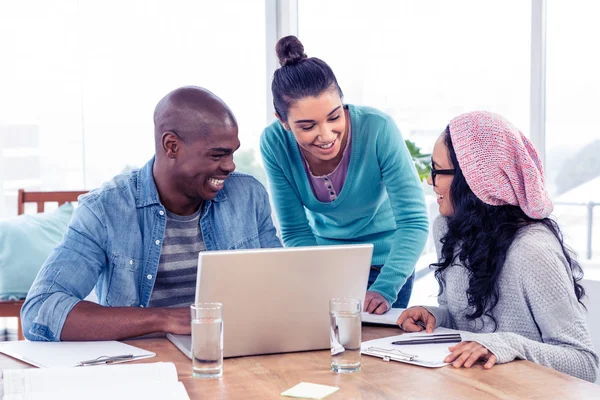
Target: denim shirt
{"x":114,"y":241}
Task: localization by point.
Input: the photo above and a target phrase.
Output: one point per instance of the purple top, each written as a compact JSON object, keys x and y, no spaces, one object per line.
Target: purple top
{"x":327,"y":187}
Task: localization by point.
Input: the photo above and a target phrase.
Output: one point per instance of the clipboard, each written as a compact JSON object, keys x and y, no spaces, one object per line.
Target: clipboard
{"x":71,"y":354}
{"x":429,"y":355}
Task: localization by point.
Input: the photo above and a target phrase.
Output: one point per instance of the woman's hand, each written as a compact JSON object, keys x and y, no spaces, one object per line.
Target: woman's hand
{"x":375,"y":303}
{"x":465,"y":354}
{"x":415,"y":319}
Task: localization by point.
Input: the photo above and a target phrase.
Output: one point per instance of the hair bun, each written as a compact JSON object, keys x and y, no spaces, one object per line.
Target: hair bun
{"x":289,"y":50}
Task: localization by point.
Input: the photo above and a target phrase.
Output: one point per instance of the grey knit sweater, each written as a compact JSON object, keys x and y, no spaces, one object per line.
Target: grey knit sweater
{"x":538,"y":316}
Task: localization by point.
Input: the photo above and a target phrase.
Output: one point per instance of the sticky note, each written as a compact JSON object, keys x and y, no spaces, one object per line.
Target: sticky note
{"x":305,"y":390}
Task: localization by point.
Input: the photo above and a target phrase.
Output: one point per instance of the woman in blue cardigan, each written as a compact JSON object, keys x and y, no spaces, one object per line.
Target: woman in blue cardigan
{"x":342,"y":174}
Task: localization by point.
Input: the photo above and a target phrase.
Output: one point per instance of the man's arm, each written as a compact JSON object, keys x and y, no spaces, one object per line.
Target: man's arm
{"x":90,"y":321}
{"x":55,"y":310}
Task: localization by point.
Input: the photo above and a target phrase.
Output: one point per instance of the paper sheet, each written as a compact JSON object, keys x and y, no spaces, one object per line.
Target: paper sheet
{"x":148,"y":381}
{"x":66,"y":354}
{"x":305,"y":390}
{"x":389,"y":318}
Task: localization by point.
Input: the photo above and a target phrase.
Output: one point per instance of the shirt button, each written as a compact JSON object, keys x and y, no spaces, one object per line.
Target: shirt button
{"x":157,"y":241}
{"x":130,"y":262}
{"x":161,"y":212}
{"x":141,"y":305}
{"x":149,"y":276}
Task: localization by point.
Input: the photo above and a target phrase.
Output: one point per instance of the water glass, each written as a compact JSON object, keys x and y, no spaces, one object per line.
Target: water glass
{"x":346,"y":331}
{"x":207,"y":340}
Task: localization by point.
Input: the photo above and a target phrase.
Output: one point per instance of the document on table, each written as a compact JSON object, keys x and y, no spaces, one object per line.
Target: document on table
{"x":69,"y":354}
{"x":389,"y":318}
{"x":429,"y":355}
{"x":144,"y":381}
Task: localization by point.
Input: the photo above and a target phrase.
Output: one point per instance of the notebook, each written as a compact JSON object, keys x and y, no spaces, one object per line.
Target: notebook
{"x":429,"y":355}
{"x":277,"y":300}
{"x":135,"y":381}
{"x":68,"y":354}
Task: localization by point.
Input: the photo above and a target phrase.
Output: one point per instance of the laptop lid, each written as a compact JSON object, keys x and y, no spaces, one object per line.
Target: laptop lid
{"x":277,"y":300}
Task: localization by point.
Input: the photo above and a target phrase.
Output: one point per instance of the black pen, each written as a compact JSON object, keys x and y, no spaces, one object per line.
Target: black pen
{"x":438,"y":339}
{"x":435,"y":335}
{"x":421,"y":324}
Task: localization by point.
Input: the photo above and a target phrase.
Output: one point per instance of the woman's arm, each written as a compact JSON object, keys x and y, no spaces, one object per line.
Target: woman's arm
{"x":408,"y":205}
{"x":295,"y":230}
{"x":548,"y":289}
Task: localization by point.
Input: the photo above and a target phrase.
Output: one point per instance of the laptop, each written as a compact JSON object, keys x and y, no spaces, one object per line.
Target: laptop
{"x":277,"y":300}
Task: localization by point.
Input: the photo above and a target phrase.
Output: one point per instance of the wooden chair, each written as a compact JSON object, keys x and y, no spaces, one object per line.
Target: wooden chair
{"x":12,"y":308}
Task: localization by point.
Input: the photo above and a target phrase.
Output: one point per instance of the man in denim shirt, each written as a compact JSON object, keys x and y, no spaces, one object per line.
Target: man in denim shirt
{"x":115,"y":239}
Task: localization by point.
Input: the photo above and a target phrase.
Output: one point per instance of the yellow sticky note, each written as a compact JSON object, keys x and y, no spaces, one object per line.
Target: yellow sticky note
{"x":305,"y":390}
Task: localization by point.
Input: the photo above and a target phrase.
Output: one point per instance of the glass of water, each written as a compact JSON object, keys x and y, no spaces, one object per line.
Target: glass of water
{"x":346,"y":331}
{"x":207,"y":340}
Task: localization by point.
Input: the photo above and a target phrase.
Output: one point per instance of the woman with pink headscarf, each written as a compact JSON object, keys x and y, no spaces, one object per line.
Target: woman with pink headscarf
{"x":505,"y":274}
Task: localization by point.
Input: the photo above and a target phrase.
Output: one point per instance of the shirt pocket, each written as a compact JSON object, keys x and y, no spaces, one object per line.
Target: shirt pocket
{"x":123,"y":286}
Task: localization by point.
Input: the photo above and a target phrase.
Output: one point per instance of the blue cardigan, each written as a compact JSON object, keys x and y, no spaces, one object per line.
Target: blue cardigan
{"x":381,"y":201}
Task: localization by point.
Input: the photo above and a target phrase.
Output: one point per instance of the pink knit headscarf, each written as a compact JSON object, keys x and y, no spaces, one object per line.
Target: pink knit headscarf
{"x":499,"y":163}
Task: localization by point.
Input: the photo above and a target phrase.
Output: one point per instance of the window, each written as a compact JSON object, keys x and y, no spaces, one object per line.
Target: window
{"x":80,"y":81}
{"x":40,"y":122}
{"x":134,"y":52}
{"x":572,"y":128}
{"x":425,"y":62}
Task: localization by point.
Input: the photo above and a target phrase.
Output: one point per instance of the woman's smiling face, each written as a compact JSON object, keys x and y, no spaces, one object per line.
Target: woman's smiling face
{"x":440,"y":160}
{"x":318,"y":124}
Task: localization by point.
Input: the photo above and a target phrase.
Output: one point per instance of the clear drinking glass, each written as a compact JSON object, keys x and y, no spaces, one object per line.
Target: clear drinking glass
{"x":346,"y":333}
{"x":207,"y":340}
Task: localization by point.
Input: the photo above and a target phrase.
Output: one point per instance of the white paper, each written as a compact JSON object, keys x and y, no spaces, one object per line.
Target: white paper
{"x":171,"y":391}
{"x":389,"y":318}
{"x":67,"y":354}
{"x":147,"y":381}
{"x":429,"y":355}
{"x":307,"y":390}
{"x":56,"y":379}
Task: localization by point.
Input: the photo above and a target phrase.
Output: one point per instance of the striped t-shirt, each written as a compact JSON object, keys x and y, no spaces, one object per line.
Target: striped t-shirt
{"x":175,"y":284}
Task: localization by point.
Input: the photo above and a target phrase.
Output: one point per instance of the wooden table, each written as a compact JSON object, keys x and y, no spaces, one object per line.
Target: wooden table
{"x":265,"y":377}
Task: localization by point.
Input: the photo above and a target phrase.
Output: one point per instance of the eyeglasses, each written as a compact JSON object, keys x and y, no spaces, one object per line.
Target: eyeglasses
{"x":435,"y":172}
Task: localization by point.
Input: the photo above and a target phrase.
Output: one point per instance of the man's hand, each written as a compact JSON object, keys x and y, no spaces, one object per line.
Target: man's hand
{"x":179,"y":321}
{"x":465,"y":354}
{"x":408,"y":320}
{"x":375,"y":303}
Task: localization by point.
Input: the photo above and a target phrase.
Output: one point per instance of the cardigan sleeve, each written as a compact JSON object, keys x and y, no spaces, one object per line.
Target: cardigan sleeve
{"x":408,"y":205}
{"x":294,"y":227}
{"x":548,"y":289}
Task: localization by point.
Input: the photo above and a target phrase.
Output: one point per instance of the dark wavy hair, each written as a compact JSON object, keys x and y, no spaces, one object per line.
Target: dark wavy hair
{"x":483,"y":234}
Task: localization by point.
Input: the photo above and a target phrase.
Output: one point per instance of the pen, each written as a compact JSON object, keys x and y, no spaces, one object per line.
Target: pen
{"x":438,"y":339}
{"x":107,"y":360}
{"x":421,"y":324}
{"x":435,"y":335}
{"x":418,"y":322}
